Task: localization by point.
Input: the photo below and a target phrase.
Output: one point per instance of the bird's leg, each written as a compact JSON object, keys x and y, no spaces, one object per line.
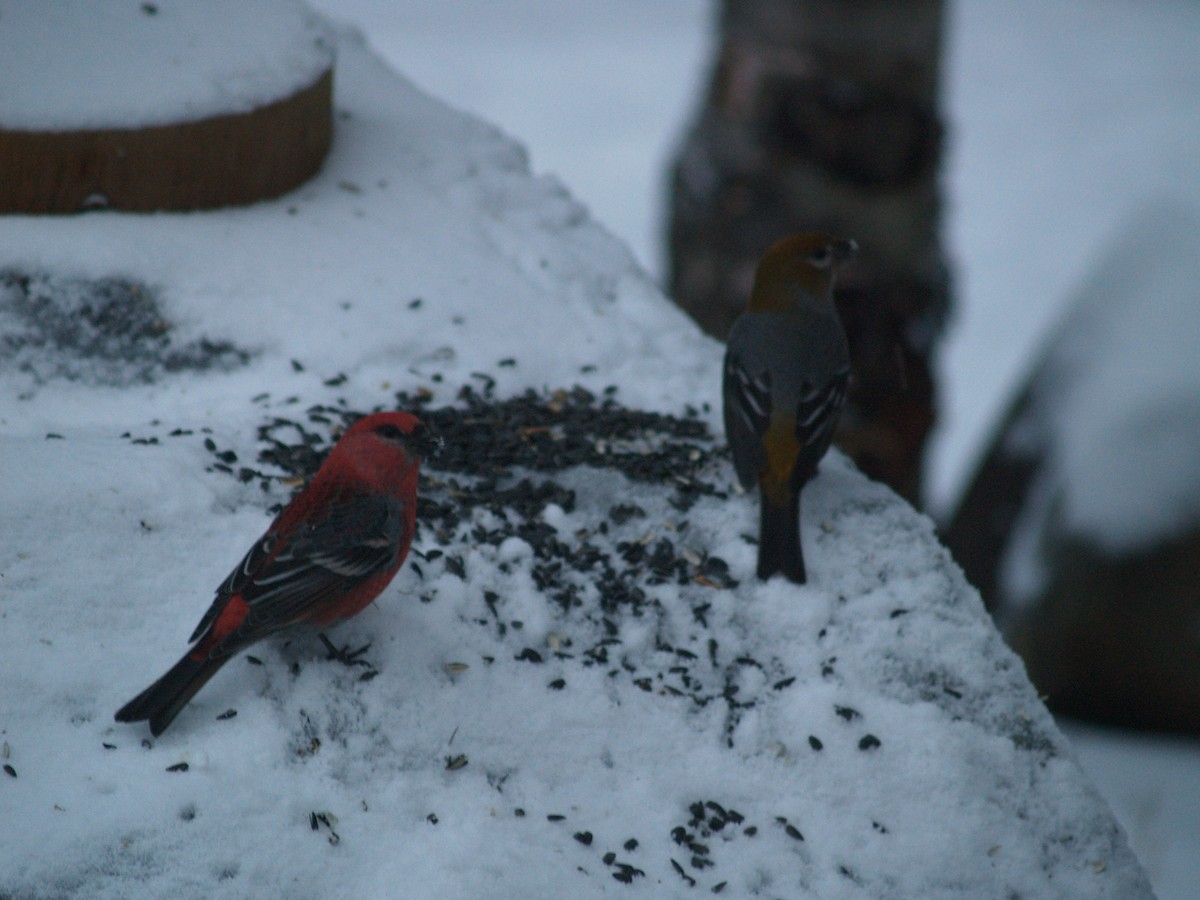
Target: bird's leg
{"x":345,"y":655}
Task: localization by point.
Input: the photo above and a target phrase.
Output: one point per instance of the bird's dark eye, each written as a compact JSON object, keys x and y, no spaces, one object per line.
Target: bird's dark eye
{"x":821,"y":257}
{"x":390,"y":432}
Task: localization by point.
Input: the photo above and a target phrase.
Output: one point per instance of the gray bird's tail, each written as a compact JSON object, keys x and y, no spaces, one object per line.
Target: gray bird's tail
{"x":779,"y":540}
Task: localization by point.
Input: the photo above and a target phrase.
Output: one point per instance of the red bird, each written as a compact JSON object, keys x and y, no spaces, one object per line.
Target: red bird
{"x":327,"y":555}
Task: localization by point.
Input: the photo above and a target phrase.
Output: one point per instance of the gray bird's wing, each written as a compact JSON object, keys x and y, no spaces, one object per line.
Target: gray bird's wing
{"x":746,"y":386}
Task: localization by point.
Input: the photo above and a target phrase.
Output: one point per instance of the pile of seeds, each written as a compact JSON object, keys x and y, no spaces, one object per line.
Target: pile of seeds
{"x":504,"y":462}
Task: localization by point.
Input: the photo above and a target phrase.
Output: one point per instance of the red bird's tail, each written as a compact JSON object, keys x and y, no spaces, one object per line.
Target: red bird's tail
{"x":779,"y":540}
{"x":161,"y":702}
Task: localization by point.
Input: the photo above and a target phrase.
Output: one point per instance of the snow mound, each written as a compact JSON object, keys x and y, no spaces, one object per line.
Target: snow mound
{"x":132,"y":64}
{"x":1129,"y":417}
{"x":575,"y":687}
{"x":1115,"y":408}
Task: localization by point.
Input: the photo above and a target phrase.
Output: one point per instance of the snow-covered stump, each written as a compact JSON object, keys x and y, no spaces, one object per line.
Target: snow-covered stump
{"x":160,"y":106}
{"x":1082,"y":524}
{"x":576,"y":686}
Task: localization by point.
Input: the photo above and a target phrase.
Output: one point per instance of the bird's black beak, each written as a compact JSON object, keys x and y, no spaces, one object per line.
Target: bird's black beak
{"x":425,"y":442}
{"x":844,"y":250}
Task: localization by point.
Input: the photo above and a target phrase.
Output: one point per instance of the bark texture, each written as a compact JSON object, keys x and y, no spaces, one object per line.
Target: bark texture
{"x":823,"y":114}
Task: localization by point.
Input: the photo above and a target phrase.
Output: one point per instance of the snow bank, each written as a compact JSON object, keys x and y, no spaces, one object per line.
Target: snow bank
{"x":865,"y":735}
{"x":1116,"y":408}
{"x":1127,"y":422}
{"x":130,"y":64}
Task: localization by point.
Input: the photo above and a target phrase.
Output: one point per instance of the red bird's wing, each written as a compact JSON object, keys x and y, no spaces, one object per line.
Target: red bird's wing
{"x":302,"y":573}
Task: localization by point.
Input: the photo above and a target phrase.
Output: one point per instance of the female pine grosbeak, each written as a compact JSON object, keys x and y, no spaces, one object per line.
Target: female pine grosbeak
{"x":785,"y":376}
{"x":327,"y":555}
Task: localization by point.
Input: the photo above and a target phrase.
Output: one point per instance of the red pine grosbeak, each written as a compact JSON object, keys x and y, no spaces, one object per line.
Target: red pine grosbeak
{"x":786,"y":369}
{"x":327,"y":555}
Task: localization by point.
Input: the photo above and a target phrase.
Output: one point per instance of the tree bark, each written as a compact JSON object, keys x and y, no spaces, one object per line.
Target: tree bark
{"x":823,"y":114}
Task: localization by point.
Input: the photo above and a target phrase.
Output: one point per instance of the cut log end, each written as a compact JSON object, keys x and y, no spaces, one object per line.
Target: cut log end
{"x":225,"y":160}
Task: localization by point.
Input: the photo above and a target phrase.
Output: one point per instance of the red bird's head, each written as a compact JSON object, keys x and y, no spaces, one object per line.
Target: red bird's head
{"x":397,"y":429}
{"x":384,"y":448}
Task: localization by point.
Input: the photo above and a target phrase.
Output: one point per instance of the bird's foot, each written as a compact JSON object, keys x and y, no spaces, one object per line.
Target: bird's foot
{"x":345,"y":655}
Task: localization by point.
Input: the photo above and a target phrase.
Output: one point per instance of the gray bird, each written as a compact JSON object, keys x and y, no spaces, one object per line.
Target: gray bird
{"x":785,"y":376}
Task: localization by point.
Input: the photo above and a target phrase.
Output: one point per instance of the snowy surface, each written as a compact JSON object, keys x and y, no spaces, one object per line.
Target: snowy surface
{"x":127,"y":63}
{"x":868,"y":734}
{"x":1115,"y":412}
{"x":1065,"y":119}
{"x":1130,"y":417}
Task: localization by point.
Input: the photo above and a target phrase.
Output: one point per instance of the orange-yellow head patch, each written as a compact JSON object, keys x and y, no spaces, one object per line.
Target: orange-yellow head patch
{"x":801,"y":264}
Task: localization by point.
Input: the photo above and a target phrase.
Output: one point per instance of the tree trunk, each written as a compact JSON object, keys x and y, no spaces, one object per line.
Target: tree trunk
{"x":823,"y":114}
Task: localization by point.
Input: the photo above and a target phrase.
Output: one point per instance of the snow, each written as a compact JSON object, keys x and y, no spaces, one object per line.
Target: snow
{"x":1065,"y":119}
{"x":868,"y":734}
{"x":1116,"y":406}
{"x":127,"y":63}
{"x":1131,"y":411}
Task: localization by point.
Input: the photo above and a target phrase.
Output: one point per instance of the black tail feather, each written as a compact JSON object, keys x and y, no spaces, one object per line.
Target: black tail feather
{"x":779,"y":540}
{"x":162,"y":701}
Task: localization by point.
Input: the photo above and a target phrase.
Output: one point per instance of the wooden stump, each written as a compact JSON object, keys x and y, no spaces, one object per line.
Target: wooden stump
{"x":219,"y":161}
{"x":165,"y":105}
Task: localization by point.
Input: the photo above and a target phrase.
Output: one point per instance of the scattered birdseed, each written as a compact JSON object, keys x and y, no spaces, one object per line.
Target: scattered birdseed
{"x":327,"y":819}
{"x":510,"y":469}
{"x":688,"y":879}
{"x":626,"y":873}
